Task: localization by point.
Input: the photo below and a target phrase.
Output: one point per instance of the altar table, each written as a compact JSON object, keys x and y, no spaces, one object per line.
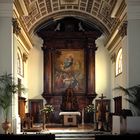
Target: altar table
{"x":70,"y":118}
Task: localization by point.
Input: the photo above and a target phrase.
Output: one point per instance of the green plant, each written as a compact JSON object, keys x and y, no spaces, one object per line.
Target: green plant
{"x":7,"y":88}
{"x":133,"y":97}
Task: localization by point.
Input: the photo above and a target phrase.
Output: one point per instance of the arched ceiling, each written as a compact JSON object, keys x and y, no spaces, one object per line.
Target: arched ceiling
{"x":96,"y":12}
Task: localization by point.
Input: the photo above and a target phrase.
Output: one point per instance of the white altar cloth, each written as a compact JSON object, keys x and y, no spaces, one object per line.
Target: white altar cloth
{"x":70,"y":118}
{"x":70,"y":113}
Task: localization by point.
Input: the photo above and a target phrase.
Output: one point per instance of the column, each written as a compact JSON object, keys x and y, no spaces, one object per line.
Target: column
{"x":6,"y":43}
{"x":15,"y":116}
{"x":133,"y":33}
{"x":6,"y":49}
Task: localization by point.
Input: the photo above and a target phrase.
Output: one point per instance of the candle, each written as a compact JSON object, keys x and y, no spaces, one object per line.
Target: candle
{"x":106,"y":107}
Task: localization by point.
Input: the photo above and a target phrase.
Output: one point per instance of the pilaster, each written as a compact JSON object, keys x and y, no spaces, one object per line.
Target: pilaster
{"x":6,"y":8}
{"x":133,"y":49}
{"x":133,"y":9}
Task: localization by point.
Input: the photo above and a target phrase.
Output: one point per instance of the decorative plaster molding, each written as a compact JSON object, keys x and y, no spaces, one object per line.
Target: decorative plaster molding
{"x":116,"y":8}
{"x":67,"y":2}
{"x":123,"y":29}
{"x":24,"y":8}
{"x":16,"y":28}
{"x":113,"y":58}
{"x":25,"y":57}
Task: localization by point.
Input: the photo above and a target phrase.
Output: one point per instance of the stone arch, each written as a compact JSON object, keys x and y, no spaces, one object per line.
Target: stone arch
{"x":92,"y":21}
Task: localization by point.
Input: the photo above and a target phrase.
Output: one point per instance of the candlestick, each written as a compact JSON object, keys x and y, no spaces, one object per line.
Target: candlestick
{"x":82,"y":116}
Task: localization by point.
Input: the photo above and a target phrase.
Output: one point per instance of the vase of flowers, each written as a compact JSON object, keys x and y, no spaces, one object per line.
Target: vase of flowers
{"x":46,"y":111}
{"x":90,"y":110}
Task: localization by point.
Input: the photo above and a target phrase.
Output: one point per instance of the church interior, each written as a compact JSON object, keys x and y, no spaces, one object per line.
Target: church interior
{"x":78,"y":61}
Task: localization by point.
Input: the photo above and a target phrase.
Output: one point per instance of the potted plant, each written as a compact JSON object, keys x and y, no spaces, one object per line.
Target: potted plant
{"x":131,"y":118}
{"x":7,"y":88}
{"x":133,"y":97}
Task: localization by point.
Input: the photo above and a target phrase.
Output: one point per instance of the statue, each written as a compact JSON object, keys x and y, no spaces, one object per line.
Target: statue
{"x":69,"y":101}
{"x":57,"y":27}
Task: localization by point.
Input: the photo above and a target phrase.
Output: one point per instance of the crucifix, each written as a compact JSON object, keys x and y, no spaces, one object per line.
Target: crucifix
{"x":102,"y":112}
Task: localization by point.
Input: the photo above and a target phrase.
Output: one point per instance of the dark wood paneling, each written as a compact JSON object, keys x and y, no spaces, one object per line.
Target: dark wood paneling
{"x":54,"y":41}
{"x":35,"y":105}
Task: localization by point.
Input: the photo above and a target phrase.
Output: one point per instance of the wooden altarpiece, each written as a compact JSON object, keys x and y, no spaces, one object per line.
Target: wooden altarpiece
{"x":62,"y":42}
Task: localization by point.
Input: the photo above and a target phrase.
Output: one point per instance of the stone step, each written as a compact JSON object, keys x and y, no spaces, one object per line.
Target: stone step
{"x":74,"y":139}
{"x":74,"y":136}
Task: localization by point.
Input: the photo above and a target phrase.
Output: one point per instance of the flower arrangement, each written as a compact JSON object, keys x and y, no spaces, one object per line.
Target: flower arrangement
{"x":47,"y":109}
{"x":90,"y":108}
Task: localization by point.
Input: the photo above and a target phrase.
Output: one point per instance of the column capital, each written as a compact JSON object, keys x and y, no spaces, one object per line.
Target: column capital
{"x":16,"y":27}
{"x":6,"y":8}
{"x":123,"y":29}
{"x":133,"y":9}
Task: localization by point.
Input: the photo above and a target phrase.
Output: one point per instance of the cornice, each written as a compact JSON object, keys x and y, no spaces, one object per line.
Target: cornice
{"x":23,"y":35}
{"x":119,"y":32}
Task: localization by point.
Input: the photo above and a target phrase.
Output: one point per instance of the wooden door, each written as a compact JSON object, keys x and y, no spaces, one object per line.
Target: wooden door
{"x":21,"y":107}
{"x":35,"y":105}
{"x":118,"y":105}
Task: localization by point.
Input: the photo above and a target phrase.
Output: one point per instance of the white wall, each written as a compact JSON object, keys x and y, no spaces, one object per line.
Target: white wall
{"x":24,"y":79}
{"x":121,"y":79}
{"x":102,"y":69}
{"x":35,"y":71}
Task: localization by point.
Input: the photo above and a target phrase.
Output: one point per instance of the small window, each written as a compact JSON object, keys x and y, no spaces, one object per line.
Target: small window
{"x":119,"y":62}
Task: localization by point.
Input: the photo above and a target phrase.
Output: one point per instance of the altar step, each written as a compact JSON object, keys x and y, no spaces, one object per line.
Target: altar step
{"x":75,"y":136}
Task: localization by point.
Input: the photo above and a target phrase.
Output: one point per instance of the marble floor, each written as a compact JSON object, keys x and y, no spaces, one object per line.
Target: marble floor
{"x":58,"y":128}
{"x":82,"y":131}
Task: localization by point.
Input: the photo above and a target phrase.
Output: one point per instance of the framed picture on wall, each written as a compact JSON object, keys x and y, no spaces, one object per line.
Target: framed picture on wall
{"x":68,"y":70}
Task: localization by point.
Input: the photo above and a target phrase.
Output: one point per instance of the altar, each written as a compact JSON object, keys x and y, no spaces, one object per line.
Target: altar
{"x":70,"y":118}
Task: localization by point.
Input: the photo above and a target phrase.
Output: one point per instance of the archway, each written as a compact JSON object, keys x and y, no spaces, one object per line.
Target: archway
{"x":71,"y":39}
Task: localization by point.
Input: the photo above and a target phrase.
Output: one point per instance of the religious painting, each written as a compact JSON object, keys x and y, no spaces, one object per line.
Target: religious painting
{"x":69,"y":70}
